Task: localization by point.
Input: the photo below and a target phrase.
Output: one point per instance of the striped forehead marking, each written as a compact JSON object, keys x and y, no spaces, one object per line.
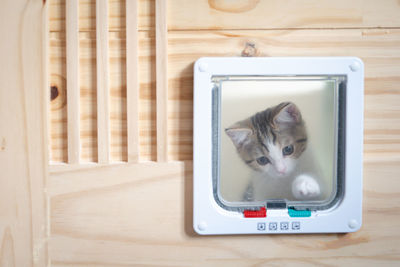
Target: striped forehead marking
{"x":275,"y":151}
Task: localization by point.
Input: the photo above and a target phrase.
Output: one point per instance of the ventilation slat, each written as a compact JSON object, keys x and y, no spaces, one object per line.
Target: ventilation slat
{"x":132,"y":85}
{"x":162,"y":81}
{"x":103,"y":100}
{"x":72,"y":33}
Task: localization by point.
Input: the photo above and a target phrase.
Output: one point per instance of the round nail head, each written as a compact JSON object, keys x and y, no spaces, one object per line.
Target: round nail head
{"x":353,"y":224}
{"x":355,"y":66}
{"x":203,"y":67}
{"x":202,"y":226}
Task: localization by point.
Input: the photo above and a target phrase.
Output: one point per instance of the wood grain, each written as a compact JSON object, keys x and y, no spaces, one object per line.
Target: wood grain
{"x":162,"y":79}
{"x":7,"y":253}
{"x":132,"y":79}
{"x":23,"y":139}
{"x":378,"y":48}
{"x":126,"y":232}
{"x":130,"y":226}
{"x":72,"y":33}
{"x":88,"y":97}
{"x":103,"y":91}
{"x":118,"y":97}
{"x":276,"y":14}
{"x":87,"y":17}
{"x":127,"y":213}
{"x":382,"y":74}
{"x":243,"y":14}
{"x":58,"y":97}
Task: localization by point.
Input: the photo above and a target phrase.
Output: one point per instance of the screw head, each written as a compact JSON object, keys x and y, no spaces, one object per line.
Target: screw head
{"x":203,"y":66}
{"x":202,"y":226}
{"x":355,"y":66}
{"x":353,"y":223}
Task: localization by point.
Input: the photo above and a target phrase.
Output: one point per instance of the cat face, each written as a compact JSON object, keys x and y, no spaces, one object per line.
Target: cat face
{"x":271,"y":141}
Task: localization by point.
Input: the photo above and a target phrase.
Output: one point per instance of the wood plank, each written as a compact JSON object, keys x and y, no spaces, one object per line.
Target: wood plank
{"x":72,"y":32}
{"x":277,"y":14}
{"x":40,"y":208}
{"x":87,"y":18}
{"x":88,"y":98}
{"x":58,"y":99}
{"x":67,"y":179}
{"x":110,"y":215}
{"x":302,"y":262}
{"x":162,"y":79}
{"x":23,"y":144}
{"x":243,"y":14}
{"x":34,"y":47}
{"x":129,"y":221}
{"x":380,"y":50}
{"x":103,"y":94}
{"x":132,"y":82}
{"x":118,"y":97}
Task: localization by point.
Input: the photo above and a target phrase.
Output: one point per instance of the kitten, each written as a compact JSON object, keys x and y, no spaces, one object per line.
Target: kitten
{"x":272,"y":142}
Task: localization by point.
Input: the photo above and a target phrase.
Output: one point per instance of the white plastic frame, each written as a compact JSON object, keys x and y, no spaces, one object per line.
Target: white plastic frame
{"x":208,"y":217}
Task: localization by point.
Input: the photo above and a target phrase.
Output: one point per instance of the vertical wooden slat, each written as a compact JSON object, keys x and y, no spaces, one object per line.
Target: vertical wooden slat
{"x":162,"y":81}
{"x":72,"y":32}
{"x":103,"y":119}
{"x":44,"y":222}
{"x":46,"y":78}
{"x":132,"y":85}
{"x":46,"y":118}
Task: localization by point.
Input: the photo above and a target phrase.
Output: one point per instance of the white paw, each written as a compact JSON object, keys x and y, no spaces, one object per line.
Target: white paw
{"x":305,"y":187}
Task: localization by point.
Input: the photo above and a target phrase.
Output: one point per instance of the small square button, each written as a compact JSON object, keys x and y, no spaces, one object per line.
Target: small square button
{"x":261,"y":226}
{"x":295,"y":225}
{"x":284,"y":225}
{"x":273,"y":226}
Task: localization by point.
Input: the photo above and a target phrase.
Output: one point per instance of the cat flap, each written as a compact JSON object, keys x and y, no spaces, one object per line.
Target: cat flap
{"x":277,"y":145}
{"x":279,"y":141}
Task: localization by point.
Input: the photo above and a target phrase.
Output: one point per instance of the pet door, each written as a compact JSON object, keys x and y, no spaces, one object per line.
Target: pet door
{"x":277,"y":145}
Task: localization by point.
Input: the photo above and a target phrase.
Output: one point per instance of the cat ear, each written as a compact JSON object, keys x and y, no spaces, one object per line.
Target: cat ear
{"x":238,"y":135}
{"x":289,"y":113}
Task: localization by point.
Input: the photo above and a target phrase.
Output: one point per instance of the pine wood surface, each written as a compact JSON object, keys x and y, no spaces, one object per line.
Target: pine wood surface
{"x":135,"y":210}
{"x":73,"y":88}
{"x":132,"y":81}
{"x":161,"y":80}
{"x":379,"y":49}
{"x":23,"y":138}
{"x":241,"y":14}
{"x":145,"y":219}
{"x":158,"y":230}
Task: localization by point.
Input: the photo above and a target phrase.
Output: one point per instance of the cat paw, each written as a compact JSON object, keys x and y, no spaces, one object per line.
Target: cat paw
{"x":305,"y":187}
{"x":249,"y":194}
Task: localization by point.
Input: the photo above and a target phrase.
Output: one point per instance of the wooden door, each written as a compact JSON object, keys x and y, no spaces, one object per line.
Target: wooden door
{"x":113,"y":172}
{"x":96,"y":127}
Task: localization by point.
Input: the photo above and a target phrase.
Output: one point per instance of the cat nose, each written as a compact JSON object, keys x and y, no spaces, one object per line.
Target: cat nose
{"x":281,"y":169}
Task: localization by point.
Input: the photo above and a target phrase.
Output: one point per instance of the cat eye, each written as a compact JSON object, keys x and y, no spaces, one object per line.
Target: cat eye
{"x":287,"y":150}
{"x":263,"y":160}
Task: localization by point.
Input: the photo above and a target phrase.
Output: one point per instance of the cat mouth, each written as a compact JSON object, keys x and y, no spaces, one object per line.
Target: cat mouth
{"x":281,"y":175}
